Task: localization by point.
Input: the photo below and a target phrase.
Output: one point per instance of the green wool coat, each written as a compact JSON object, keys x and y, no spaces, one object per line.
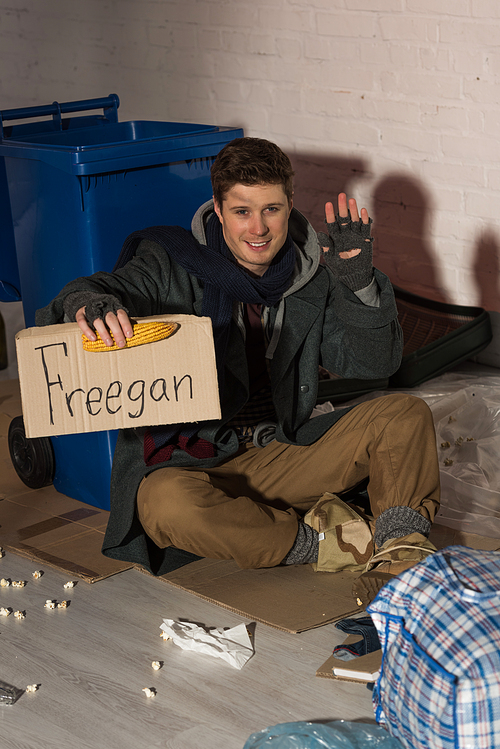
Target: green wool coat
{"x":319,"y":321}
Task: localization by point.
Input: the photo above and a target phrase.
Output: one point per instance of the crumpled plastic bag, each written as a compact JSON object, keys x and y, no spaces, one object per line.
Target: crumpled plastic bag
{"x":466,"y":413}
{"x":472,"y":427}
{"x":232,"y":645}
{"x":338,"y":734}
{"x":470,"y":482}
{"x":469,"y":421}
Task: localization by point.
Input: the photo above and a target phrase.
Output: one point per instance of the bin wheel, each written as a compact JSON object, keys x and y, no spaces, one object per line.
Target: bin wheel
{"x":33,"y":459}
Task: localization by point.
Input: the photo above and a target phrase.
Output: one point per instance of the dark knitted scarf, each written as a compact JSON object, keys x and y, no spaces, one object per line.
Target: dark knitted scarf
{"x":224,"y":283}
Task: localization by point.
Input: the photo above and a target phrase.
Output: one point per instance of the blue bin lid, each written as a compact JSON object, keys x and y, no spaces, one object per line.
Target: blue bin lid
{"x":117,"y":146}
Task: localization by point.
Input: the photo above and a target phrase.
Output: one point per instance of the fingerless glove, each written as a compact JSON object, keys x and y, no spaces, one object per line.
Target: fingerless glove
{"x":96,"y":305}
{"x":345,"y":234}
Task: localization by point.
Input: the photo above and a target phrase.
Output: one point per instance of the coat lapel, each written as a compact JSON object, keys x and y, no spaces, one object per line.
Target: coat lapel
{"x":303,"y":307}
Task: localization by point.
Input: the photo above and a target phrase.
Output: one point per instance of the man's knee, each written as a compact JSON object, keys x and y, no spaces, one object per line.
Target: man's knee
{"x":165,"y":498}
{"x":410,"y":407}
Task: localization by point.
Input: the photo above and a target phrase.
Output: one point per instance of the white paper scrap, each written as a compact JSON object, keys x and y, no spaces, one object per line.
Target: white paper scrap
{"x":232,"y":645}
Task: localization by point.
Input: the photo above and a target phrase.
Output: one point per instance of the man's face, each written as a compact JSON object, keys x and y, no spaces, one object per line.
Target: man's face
{"x":254,"y":222}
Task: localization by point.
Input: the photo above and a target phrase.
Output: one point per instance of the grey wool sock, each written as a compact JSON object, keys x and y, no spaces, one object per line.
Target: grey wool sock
{"x":397,"y":522}
{"x":305,"y":546}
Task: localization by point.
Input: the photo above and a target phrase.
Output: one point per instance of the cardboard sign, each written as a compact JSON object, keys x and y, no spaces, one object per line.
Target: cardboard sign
{"x":65,"y":390}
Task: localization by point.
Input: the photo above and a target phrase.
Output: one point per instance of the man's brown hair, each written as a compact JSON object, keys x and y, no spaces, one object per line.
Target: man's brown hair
{"x":251,"y":161}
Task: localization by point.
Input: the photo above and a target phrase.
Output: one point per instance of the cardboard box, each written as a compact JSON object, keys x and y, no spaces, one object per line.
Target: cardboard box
{"x":66,"y":390}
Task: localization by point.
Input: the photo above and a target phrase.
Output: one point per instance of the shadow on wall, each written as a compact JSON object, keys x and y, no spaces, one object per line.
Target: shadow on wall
{"x":401,"y":219}
{"x":401,"y":216}
{"x":401,"y":228}
{"x":321,"y":178}
{"x":486,"y":268}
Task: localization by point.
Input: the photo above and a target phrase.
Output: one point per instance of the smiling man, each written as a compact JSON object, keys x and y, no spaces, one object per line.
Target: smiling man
{"x":260,"y":486}
{"x":254,"y":222}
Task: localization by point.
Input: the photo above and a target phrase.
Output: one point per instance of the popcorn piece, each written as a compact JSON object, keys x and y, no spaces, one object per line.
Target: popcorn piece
{"x":69,"y":584}
{"x":32,"y":688}
{"x":37,"y":574}
{"x":62,"y":604}
{"x":2,"y":552}
{"x":4,"y":582}
{"x":49,"y":604}
{"x":445,"y":445}
{"x":5,"y":612}
{"x":164,"y":636}
{"x":149,"y":692}
{"x":448,"y":462}
{"x":20,"y":614}
{"x":18,"y":583}
{"x":156,"y":665}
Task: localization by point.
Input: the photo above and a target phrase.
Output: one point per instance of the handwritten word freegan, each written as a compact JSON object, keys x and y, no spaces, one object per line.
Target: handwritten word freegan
{"x":97,"y":398}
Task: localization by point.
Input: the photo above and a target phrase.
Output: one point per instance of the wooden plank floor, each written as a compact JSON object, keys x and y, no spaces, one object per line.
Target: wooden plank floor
{"x":93,"y":659}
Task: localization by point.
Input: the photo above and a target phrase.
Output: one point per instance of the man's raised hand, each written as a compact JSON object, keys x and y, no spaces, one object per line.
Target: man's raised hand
{"x":348,"y":244}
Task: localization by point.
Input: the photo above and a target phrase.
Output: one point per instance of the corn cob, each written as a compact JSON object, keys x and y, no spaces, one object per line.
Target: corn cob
{"x":143,"y":333}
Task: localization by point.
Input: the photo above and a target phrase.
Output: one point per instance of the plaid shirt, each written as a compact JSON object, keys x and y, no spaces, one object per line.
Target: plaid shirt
{"x":439,"y":627}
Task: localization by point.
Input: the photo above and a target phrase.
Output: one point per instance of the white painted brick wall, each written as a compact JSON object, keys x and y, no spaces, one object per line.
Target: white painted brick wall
{"x":395,"y":101}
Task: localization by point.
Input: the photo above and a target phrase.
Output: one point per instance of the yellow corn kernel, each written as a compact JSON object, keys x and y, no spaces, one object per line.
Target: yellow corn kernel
{"x":145,"y":332}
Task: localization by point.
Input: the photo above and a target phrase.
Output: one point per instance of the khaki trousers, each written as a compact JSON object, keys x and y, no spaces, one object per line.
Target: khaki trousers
{"x":248,"y":508}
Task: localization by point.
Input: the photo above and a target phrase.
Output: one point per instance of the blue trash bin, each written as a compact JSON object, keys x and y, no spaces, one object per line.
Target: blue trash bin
{"x":10,"y":285}
{"x":71,"y":190}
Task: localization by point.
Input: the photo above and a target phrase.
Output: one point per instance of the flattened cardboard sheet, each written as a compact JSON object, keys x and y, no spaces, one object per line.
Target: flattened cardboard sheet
{"x":290,"y":598}
{"x":67,"y":390}
{"x":44,"y":525}
{"x":295,"y":598}
{"x":441,"y":536}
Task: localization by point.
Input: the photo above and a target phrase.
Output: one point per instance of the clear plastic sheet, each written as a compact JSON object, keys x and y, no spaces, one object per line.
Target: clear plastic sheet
{"x":467,"y":417}
{"x":464,"y":404}
{"x":338,"y":734}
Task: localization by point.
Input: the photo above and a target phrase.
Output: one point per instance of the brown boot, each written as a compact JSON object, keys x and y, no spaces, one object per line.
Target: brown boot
{"x":395,"y":556}
{"x":345,"y":538}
